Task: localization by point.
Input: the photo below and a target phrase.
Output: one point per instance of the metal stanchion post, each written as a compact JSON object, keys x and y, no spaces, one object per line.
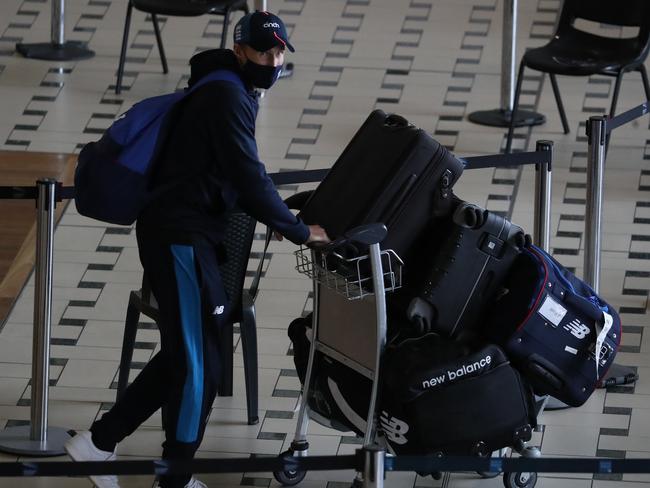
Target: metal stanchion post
{"x":37,"y":439}
{"x":260,"y":5}
{"x":500,"y":117}
{"x":597,"y":134}
{"x":58,"y":49}
{"x":543,"y":187}
{"x":373,"y":467}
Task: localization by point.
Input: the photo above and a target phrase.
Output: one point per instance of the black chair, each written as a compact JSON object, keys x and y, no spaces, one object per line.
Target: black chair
{"x":238,"y":242}
{"x":574,"y":52}
{"x":175,"y":8}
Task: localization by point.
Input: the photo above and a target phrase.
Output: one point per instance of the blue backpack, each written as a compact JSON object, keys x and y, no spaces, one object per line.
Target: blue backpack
{"x":112,"y":179}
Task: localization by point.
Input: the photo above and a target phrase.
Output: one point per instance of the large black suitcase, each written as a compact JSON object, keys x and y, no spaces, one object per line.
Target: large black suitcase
{"x":390,"y":172}
{"x":468,"y":271}
{"x":439,"y":397}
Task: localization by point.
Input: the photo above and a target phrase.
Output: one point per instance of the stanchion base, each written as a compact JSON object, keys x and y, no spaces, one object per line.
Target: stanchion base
{"x":67,"y":51}
{"x":15,"y":440}
{"x":501,"y":118}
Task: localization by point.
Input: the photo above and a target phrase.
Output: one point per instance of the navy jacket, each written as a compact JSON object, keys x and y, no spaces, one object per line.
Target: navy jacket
{"x":210,"y":155}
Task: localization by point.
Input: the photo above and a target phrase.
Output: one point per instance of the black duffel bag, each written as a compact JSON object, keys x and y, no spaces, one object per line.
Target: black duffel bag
{"x":438,"y":397}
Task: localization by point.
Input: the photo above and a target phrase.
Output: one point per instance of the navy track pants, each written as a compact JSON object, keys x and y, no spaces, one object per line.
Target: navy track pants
{"x":184,"y":376}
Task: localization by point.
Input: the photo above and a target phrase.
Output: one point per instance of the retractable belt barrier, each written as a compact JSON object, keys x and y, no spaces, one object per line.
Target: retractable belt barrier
{"x":311,"y":175}
{"x":421,"y":464}
{"x":599,"y":130}
{"x":625,"y":117}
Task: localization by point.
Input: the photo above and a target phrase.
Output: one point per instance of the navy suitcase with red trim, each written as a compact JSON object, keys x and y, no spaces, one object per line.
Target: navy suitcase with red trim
{"x":561,"y":335}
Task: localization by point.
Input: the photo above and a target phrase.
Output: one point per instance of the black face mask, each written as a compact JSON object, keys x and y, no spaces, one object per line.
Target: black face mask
{"x":259,"y":75}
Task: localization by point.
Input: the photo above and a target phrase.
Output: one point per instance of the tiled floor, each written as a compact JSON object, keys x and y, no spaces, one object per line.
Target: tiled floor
{"x":433,"y":61}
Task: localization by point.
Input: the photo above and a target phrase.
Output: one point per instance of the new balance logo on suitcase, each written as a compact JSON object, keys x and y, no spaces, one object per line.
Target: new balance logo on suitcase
{"x":577,"y":329}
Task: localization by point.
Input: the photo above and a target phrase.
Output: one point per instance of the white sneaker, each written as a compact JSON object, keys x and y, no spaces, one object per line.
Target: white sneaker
{"x":193,"y":483}
{"x":81,"y":448}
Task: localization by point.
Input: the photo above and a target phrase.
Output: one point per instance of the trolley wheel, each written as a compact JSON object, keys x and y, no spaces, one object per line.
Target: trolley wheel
{"x":289,"y":478}
{"x":519,"y":480}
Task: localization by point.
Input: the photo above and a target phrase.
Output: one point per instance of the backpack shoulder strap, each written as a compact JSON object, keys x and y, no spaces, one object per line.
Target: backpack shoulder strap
{"x":218,"y":75}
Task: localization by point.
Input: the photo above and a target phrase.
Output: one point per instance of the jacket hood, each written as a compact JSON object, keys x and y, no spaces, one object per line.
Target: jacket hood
{"x":207,"y":61}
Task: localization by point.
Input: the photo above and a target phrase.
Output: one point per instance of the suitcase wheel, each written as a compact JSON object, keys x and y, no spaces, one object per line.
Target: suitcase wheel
{"x":289,"y":477}
{"x":493,"y":474}
{"x":519,"y":480}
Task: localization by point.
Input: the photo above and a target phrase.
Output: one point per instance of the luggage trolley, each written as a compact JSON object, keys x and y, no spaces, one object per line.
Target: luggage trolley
{"x":359,"y":284}
{"x":347,"y":291}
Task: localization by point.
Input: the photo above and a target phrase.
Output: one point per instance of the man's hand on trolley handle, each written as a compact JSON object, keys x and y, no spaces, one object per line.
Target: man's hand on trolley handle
{"x":317,"y":235}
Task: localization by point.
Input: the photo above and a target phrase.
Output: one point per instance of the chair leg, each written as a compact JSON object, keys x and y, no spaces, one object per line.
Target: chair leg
{"x":249,"y":347}
{"x":617,"y":89}
{"x":161,"y":49}
{"x":227,"y":353}
{"x":515,"y":107}
{"x":128,"y":344}
{"x":560,"y":105}
{"x":125,"y":40}
{"x":224,"y":31}
{"x":646,"y":85}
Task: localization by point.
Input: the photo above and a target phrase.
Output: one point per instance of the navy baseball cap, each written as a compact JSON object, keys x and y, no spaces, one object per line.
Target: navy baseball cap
{"x":262,"y":31}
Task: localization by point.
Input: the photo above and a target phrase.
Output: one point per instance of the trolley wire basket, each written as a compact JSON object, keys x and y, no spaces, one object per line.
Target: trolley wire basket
{"x":350,"y":277}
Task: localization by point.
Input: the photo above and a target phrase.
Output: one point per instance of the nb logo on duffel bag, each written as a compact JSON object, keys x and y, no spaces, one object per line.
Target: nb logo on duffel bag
{"x":577,"y":329}
{"x":394,"y":428}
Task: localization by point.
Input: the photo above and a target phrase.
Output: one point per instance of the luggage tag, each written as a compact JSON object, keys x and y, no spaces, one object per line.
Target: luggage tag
{"x":608,"y":320}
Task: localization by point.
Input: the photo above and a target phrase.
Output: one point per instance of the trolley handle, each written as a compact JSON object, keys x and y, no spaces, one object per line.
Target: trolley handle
{"x":365,"y":235}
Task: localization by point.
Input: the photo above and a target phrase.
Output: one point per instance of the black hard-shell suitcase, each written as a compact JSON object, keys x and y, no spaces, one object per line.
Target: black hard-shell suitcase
{"x":441,"y":397}
{"x":391,"y":172}
{"x":467,"y":272}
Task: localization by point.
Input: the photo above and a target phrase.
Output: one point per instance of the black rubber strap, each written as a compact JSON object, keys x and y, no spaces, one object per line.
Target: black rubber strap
{"x":422,"y":464}
{"x":163,"y":467}
{"x":512,"y":159}
{"x":430,"y":464}
{"x":316,"y":175}
{"x":626,"y":117}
